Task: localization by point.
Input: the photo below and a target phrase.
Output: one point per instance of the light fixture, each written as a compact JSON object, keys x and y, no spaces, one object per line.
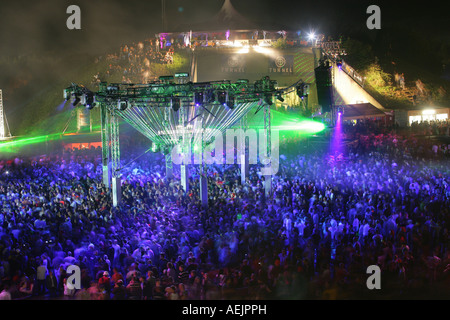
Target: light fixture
{"x":305,"y":90}
{"x":112,"y":88}
{"x":280,"y":97}
{"x":429,"y":111}
{"x":175,"y":101}
{"x":222,"y":97}
{"x":155,"y":147}
{"x":210,"y":96}
{"x":268,"y":99}
{"x":182,"y":75}
{"x":76,"y":100}
{"x":67,"y":94}
{"x":198,"y":98}
{"x":230,"y":102}
{"x":89,"y":101}
{"x":83,"y":99}
{"x":302,"y":90}
{"x":122,"y":105}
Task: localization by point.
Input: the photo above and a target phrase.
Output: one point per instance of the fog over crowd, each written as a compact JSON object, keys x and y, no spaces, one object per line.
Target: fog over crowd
{"x":384,"y":201}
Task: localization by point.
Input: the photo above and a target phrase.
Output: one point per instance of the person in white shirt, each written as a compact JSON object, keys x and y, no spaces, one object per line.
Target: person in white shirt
{"x":341,"y":227}
{"x":41,"y":274}
{"x":5,"y":294}
{"x":300,"y":225}
{"x":355,"y":224}
{"x":287,"y":224}
{"x":366,"y":229}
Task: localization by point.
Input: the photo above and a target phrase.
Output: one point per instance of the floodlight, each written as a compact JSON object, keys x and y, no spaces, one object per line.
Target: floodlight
{"x":67,"y":94}
{"x":268,"y":99}
{"x":175,"y":101}
{"x":280,"y":97}
{"x":230,"y":101}
{"x":222,"y":97}
{"x":76,"y":100}
{"x":122,"y":105}
{"x":89,"y":101}
{"x":198,"y":98}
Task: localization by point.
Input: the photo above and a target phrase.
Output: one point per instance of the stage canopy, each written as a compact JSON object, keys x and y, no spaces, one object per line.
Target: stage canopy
{"x":362,"y":111}
{"x":227,"y":18}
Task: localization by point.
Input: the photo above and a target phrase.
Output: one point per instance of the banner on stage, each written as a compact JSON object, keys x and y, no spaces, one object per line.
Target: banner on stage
{"x":282,"y":64}
{"x":233,"y":64}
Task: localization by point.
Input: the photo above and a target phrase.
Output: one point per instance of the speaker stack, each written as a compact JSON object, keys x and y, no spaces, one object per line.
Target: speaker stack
{"x":324,"y":86}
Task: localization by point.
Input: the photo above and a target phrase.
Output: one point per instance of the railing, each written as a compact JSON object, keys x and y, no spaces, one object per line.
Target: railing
{"x":353,"y":74}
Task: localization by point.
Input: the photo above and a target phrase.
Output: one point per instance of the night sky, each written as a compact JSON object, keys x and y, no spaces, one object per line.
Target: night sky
{"x":38,"y":52}
{"x":39,"y":27}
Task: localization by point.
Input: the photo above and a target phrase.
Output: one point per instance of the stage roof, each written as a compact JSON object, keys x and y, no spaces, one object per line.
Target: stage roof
{"x":228,"y":18}
{"x":361,"y":110}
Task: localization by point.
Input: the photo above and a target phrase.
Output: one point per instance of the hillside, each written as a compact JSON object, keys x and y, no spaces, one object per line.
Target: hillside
{"x":33,"y":85}
{"x":421,"y":59}
{"x":34,"y":103}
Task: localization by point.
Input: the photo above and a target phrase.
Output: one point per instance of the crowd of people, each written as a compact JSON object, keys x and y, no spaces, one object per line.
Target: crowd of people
{"x":426,"y":139}
{"x":431,"y":128}
{"x":381,"y":202}
{"x":135,"y":63}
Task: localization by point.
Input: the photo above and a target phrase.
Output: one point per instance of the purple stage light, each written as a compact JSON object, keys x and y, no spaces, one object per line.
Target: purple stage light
{"x":60,"y":107}
{"x":336,"y":142}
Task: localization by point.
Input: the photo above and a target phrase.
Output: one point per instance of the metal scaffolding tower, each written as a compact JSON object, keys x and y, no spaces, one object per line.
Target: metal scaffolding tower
{"x":115,"y":158}
{"x":4,"y":129}
{"x":244,"y":156}
{"x":2,"y":122}
{"x":105,"y":133}
{"x":268,"y":138}
{"x":175,"y":111}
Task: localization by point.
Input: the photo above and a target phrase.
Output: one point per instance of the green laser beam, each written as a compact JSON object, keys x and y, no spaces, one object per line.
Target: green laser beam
{"x":305,"y":126}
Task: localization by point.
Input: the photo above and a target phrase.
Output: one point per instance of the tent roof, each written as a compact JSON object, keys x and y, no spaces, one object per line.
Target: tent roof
{"x":361,"y":110}
{"x":227,"y":18}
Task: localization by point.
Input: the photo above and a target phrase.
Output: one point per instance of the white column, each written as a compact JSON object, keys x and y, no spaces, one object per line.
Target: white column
{"x":169,"y":166}
{"x":268,"y":184}
{"x":116,"y":191}
{"x":244,"y":166}
{"x":106,"y":175}
{"x":204,"y":190}
{"x":184,"y":170}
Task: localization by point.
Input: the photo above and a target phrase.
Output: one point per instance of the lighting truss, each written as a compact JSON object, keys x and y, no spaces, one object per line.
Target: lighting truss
{"x":180,"y":113}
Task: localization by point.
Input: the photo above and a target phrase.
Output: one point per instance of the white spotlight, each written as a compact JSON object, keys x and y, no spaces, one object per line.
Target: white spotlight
{"x":244,"y":50}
